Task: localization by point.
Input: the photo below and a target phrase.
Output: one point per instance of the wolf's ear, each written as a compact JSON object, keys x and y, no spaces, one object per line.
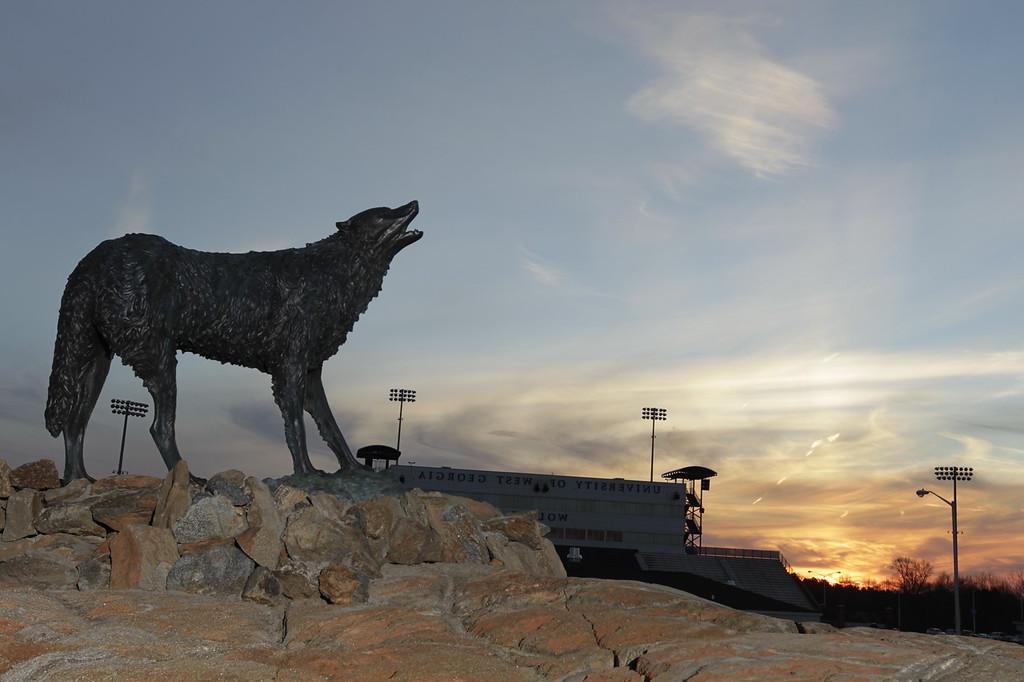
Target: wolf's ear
{"x":344,"y":224}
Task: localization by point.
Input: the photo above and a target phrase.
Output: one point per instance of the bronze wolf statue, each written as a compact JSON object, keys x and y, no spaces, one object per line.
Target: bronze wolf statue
{"x":282,"y":312}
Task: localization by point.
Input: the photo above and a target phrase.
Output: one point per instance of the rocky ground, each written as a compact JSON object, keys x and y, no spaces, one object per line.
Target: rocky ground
{"x":459,"y":622}
{"x":341,"y":578}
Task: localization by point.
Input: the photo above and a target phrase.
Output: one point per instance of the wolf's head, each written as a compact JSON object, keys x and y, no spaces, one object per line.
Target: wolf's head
{"x":382,"y":231}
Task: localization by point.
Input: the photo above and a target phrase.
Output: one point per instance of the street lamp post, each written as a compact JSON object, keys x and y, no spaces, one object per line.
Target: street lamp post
{"x":824,"y":587}
{"x":401,"y":396}
{"x":952,"y":474}
{"x":654,"y":414}
{"x":129,"y":408}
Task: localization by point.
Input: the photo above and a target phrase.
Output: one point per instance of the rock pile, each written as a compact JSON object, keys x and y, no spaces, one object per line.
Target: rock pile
{"x":236,"y":535}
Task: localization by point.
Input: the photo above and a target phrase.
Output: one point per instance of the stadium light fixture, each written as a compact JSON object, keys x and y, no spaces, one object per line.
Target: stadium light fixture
{"x":129,"y":408}
{"x":655,"y":414}
{"x":401,"y":396}
{"x":952,"y":473}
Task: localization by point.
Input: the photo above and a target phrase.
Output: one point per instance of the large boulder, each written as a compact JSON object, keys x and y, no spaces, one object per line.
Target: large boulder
{"x":344,"y":585}
{"x":262,"y":540}
{"x":23,"y":507}
{"x":288,"y":498}
{"x":299,"y":579}
{"x":141,"y":557}
{"x":9,"y":550}
{"x":221,"y":570}
{"x":331,"y":506}
{"x":125,"y":482}
{"x":74,"y":518}
{"x":379,"y":515}
{"x":517,"y":556}
{"x":262,"y":587}
{"x":230,"y":484}
{"x":413,"y":542}
{"x":313,"y":536}
{"x":72,"y":492}
{"x":210,"y":518}
{"x":77,"y":548}
{"x":173,"y":497}
{"x":39,"y":569}
{"x":39,"y":475}
{"x":522,"y":527}
{"x":46,"y":561}
{"x":94,"y":574}
{"x":125,"y":507}
{"x":462,"y":537}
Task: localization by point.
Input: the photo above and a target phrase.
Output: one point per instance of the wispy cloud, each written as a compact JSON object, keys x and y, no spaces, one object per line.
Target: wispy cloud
{"x":718,"y":81}
{"x":540,"y":271}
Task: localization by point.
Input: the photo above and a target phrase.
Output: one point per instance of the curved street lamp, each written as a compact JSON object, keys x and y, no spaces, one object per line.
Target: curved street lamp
{"x":952,"y":473}
{"x":824,"y":588}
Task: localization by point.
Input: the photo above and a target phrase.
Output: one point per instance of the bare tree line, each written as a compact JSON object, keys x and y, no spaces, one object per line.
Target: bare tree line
{"x":915,"y":596}
{"x":914,"y":576}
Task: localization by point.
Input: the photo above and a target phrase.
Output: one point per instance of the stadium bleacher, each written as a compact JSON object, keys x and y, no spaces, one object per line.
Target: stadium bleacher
{"x":763,"y":576}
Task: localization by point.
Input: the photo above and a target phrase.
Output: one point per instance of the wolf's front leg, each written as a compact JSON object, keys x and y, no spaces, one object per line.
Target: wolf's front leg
{"x":289,"y":384}
{"x":318,"y":408}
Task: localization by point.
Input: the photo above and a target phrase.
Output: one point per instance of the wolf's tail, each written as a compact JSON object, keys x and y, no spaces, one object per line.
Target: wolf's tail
{"x":77,"y":344}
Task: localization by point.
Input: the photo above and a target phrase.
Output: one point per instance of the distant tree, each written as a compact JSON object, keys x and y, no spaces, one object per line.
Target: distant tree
{"x":889,"y":585}
{"x":911,"y":574}
{"x":846,"y":580}
{"x":943,"y":581}
{"x":983,"y":580}
{"x":1015,"y":581}
{"x":996,"y":583}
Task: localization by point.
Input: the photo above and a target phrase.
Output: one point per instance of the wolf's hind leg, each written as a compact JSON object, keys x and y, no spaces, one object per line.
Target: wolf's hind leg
{"x":289,"y":389}
{"x":74,"y":430}
{"x":162,"y":385}
{"x":318,"y":408}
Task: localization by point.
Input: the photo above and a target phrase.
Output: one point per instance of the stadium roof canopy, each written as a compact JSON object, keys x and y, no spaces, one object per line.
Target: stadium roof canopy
{"x":691,"y":473}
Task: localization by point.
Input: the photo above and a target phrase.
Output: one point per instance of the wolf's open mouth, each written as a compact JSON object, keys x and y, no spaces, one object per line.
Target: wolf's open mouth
{"x":403,"y":240}
{"x":397,"y":235}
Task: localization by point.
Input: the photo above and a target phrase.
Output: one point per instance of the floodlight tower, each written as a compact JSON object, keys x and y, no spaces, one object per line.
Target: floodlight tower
{"x":952,"y":474}
{"x":655,"y":414}
{"x":401,"y":396}
{"x":129,"y":408}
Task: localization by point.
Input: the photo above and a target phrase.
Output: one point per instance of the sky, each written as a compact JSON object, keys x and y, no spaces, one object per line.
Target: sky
{"x":796,"y":226}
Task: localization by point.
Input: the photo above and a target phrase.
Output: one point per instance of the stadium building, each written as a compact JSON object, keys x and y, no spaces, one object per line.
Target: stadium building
{"x":631,"y":530}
